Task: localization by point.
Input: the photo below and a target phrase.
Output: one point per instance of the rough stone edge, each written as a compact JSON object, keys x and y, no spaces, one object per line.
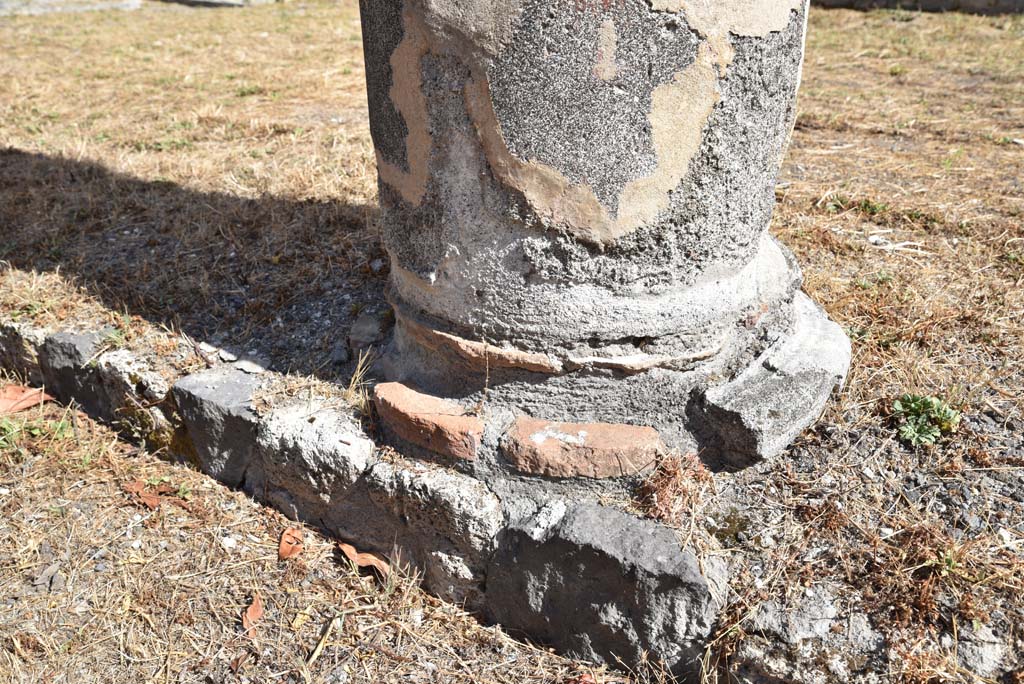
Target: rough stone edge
{"x":759,"y":413}
{"x":447,"y":525}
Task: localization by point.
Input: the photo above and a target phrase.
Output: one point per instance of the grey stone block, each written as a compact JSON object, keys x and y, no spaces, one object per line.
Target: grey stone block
{"x":67,"y":361}
{"x":446,"y":522}
{"x":116,"y":387}
{"x":19,"y":350}
{"x":130,"y":394}
{"x":757,"y":414}
{"x":316,"y":464}
{"x":312,"y":460}
{"x":216,"y":407}
{"x":600,"y":584}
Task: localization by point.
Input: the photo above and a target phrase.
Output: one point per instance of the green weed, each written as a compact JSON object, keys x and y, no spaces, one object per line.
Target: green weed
{"x":924,"y":420}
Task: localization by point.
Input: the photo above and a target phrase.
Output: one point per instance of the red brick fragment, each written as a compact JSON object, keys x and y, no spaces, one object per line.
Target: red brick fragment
{"x":437,"y":425}
{"x":596,"y":450}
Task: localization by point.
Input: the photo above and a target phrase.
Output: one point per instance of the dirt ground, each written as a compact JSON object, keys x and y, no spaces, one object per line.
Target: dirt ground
{"x":211,"y":171}
{"x":96,"y":586}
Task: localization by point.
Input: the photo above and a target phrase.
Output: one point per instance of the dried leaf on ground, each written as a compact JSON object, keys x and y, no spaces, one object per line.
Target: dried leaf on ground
{"x":14,"y":398}
{"x":238,"y":662}
{"x":585,"y":678}
{"x":365,"y":560}
{"x":152,"y":497}
{"x":137,"y":491}
{"x":291,"y":544}
{"x":252,"y":615}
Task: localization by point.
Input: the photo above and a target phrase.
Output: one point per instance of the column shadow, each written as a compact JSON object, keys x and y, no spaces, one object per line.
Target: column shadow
{"x":278,"y":278}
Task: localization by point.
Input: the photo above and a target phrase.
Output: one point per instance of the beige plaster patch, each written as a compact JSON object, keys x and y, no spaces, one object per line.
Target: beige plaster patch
{"x":485,"y":24}
{"x":407,"y":95}
{"x":714,"y":20}
{"x":606,"y":67}
{"x":679,"y":111}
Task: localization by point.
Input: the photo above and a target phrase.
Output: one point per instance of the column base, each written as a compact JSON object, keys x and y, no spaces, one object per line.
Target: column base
{"x":586,"y":418}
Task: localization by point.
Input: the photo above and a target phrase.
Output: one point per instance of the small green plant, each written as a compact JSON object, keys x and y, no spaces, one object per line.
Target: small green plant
{"x":29,"y":310}
{"x":923,"y":420}
{"x":9,"y":431}
{"x":872,"y":208}
{"x":115,"y":338}
{"x":835,"y":204}
{"x":250,"y":90}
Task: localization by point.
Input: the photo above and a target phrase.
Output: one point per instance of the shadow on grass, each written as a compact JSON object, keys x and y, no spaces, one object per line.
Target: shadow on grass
{"x":276,"y":276}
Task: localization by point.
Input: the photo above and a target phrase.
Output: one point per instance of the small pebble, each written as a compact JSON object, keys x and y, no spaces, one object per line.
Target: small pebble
{"x":250,"y":367}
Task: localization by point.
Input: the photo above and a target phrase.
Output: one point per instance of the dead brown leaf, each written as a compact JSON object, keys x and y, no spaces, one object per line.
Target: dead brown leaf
{"x":14,"y":398}
{"x":365,"y":560}
{"x":152,"y":497}
{"x":238,"y":662}
{"x":137,"y":491}
{"x":252,"y":615}
{"x":291,"y":544}
{"x":585,"y":678}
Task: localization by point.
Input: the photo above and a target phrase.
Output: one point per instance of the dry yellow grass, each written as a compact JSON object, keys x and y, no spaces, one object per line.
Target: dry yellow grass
{"x":97,"y":588}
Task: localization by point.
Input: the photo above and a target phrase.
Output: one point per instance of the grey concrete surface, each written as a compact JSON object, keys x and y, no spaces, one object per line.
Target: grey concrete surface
{"x":576,"y":199}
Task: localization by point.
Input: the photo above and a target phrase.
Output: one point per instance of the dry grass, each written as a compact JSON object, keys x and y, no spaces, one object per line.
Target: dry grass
{"x":904,"y":199}
{"x":212,"y":171}
{"x":97,"y":588}
{"x":208,"y":169}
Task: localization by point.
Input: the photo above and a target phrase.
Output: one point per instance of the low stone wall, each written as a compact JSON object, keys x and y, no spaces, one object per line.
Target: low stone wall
{"x":970,"y":6}
{"x":559,"y":566}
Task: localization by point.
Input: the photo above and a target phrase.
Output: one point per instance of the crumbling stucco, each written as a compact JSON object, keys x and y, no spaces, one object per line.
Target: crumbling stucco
{"x":407,"y":95}
{"x":486,"y":25}
{"x":605,"y":67}
{"x":679,"y":112}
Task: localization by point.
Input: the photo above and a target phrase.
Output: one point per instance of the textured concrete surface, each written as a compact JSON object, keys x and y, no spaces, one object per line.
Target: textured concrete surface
{"x":18,"y":345}
{"x":576,"y":197}
{"x":763,"y":409}
{"x":216,"y":407}
{"x":70,"y":369}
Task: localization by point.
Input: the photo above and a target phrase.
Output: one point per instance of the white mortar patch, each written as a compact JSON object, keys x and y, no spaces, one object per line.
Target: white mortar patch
{"x":550,"y":432}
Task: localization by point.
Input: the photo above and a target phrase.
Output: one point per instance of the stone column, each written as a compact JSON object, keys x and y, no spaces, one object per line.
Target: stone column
{"x":576,"y":197}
